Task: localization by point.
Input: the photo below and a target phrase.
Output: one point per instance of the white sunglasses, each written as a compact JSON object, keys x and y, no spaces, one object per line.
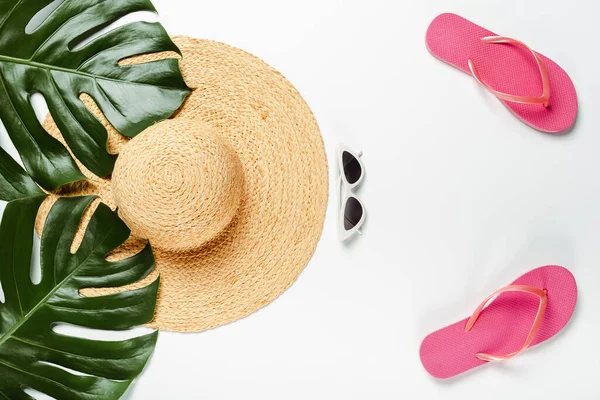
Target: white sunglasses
{"x":352,"y":213}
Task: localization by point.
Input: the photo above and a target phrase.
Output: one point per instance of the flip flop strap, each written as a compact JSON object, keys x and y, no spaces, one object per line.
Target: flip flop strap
{"x":543,"y":296}
{"x":544,"y":99}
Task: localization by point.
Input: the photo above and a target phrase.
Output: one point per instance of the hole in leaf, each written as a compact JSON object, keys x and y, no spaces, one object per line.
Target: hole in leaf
{"x":78,"y":188}
{"x":2,"y":207}
{"x":84,"y":39}
{"x":99,"y":334}
{"x":35,"y":268}
{"x":37,"y":395}
{"x":40,"y":107}
{"x":8,"y":145}
{"x":69,"y":370}
{"x":83,"y":224}
{"x":2,"y":299}
{"x":143,"y":58}
{"x":38,"y":19}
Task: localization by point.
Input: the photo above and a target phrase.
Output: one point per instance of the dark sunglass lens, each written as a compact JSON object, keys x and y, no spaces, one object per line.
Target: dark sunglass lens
{"x":352,"y":168}
{"x":352,"y":213}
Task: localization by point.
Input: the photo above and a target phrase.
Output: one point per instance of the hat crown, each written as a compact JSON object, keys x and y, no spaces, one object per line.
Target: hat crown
{"x":178,"y":184}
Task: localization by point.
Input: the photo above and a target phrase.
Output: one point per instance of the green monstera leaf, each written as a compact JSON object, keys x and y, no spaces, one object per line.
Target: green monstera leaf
{"x":56,"y":61}
{"x":32,"y":354}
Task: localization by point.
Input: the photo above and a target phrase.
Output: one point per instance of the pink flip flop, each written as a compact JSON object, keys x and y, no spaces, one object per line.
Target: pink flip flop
{"x":530,"y":311}
{"x":508,"y":69}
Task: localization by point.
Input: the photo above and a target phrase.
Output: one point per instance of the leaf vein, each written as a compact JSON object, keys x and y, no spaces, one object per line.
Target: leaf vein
{"x":108,"y":99}
{"x":34,"y":375}
{"x":10,"y":13}
{"x":16,"y":286}
{"x":73,"y":354}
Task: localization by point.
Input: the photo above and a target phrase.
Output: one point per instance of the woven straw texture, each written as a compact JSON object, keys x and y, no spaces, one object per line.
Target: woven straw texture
{"x":231,"y":192}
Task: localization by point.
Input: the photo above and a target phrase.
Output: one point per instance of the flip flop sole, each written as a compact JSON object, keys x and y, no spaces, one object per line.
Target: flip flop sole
{"x":503,"y":326}
{"x":506,"y":68}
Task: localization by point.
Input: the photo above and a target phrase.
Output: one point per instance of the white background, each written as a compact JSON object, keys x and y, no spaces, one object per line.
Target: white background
{"x":462,"y":198}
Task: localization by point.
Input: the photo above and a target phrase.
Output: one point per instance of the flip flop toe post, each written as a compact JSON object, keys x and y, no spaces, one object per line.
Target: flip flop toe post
{"x":531,"y":310}
{"x":536,"y":89}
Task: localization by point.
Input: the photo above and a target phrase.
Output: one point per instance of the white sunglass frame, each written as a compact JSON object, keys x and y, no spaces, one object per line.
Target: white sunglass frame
{"x":346,"y":191}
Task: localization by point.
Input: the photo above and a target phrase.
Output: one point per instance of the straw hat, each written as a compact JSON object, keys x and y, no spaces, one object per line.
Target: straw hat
{"x":231,"y":192}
